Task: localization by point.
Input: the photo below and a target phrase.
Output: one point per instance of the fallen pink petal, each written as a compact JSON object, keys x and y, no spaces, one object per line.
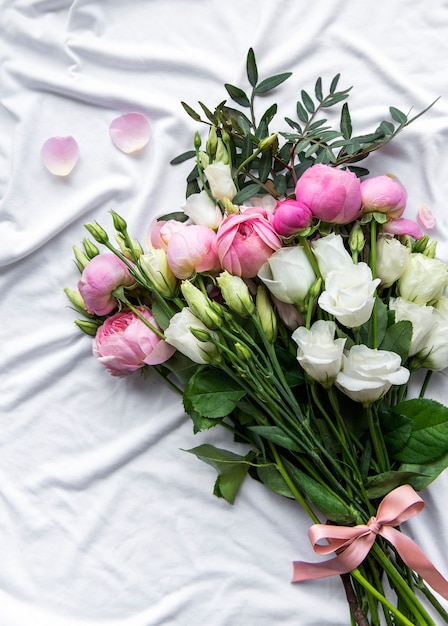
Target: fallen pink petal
{"x":130,"y":132}
{"x":60,"y":155}
{"x":426,"y":218}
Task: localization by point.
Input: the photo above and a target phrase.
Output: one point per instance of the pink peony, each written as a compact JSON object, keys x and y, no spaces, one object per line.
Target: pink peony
{"x":290,"y":216}
{"x":246,"y":241}
{"x":383,"y":194}
{"x":332,"y":195}
{"x":100,"y":277}
{"x":160,"y":232}
{"x":192,"y":249}
{"x":124,"y":343}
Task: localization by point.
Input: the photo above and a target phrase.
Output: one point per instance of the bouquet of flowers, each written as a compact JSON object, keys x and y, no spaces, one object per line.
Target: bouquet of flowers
{"x":290,"y":301}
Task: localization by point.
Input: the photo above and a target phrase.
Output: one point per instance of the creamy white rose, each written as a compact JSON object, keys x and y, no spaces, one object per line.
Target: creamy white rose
{"x":434,"y":354}
{"x":391,"y":259}
{"x":319,"y":353}
{"x":219,"y":177}
{"x":179,"y":335}
{"x":368,"y":374}
{"x":331,"y":254}
{"x":201,"y":209}
{"x":421,"y":318}
{"x":349,"y":294}
{"x":288,"y":275}
{"x":423,"y":280}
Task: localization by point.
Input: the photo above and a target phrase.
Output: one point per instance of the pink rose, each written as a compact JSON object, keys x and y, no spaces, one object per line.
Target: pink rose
{"x":192,"y":249}
{"x":290,"y":216}
{"x":161,"y":231}
{"x":403,"y":226}
{"x":383,"y":194}
{"x":246,"y":241}
{"x":332,"y":195}
{"x":100,"y":277}
{"x":124,"y":343}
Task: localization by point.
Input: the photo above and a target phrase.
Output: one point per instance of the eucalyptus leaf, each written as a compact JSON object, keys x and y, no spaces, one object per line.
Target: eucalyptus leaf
{"x":398,"y":115}
{"x":246,"y":193}
{"x":183,"y":157}
{"x":191,"y":112}
{"x":346,"y":122}
{"x":270,"y":83}
{"x":318,"y":89}
{"x":301,"y":112}
{"x":334,"y":83}
{"x":307,"y":101}
{"x":251,"y":68}
{"x":237,"y":95}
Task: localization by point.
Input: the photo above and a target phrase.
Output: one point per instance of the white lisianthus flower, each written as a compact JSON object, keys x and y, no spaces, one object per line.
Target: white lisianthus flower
{"x":391,"y":259}
{"x":349,"y":294}
{"x":368,"y":374}
{"x":288,"y":275}
{"x":179,"y":335}
{"x":421,"y":318}
{"x":219,"y":176}
{"x":154,"y":264}
{"x":331,"y":254}
{"x":434,"y":354}
{"x":201,"y":209}
{"x":319,"y":353}
{"x":423,"y":280}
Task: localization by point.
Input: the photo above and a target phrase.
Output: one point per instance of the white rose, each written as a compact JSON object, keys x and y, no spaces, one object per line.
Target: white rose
{"x":288,"y":275}
{"x":219,"y":177}
{"x":201,"y":209}
{"x":349,"y":294}
{"x":423,"y":280}
{"x":319,"y":353}
{"x":331,"y":254}
{"x":421,"y":318}
{"x":434,"y":354}
{"x":368,"y":374}
{"x":178,"y":334}
{"x":391,"y":259}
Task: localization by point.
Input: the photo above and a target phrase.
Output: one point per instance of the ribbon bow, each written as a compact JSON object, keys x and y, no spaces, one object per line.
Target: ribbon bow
{"x":354,"y":543}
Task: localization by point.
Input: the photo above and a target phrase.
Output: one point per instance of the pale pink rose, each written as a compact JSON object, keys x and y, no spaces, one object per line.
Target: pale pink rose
{"x":425,"y":217}
{"x":246,"y":241}
{"x":100,"y":277}
{"x":291,"y":216}
{"x":160,"y":232}
{"x":124,"y":343}
{"x":192,"y":249}
{"x":383,"y":194}
{"x":332,"y":195}
{"x":403,"y":226}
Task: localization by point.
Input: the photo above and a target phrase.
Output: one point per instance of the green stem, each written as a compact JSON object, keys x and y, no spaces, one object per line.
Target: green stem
{"x":377,"y":439}
{"x":428,"y":375}
{"x":373,"y":236}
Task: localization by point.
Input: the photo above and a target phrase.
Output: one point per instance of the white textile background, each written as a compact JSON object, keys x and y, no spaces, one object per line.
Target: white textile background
{"x":104,"y":520}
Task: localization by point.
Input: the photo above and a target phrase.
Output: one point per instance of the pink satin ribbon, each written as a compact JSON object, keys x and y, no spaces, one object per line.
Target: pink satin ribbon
{"x":354,"y":543}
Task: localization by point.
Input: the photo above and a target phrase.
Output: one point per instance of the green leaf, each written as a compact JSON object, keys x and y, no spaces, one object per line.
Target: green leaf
{"x":183,"y":157}
{"x":271,"y":478}
{"x":366,"y":330}
{"x":332,"y":100}
{"x":202,"y":423}
{"x":251,"y":67}
{"x":246,"y":193}
{"x":318,"y":89}
{"x":334,"y":83}
{"x":325,"y":500}
{"x":428,"y":440}
{"x":237,"y":95}
{"x":346,"y":123}
{"x":382,"y":484}
{"x":425,"y":474}
{"x":181,"y":366}
{"x":398,"y":115}
{"x":269,"y":114}
{"x":307,"y":101}
{"x":276,"y":435}
{"x":161,"y":317}
{"x":270,"y":83}
{"x":232,"y":469}
{"x":301,"y":113}
{"x":179,"y":216}
{"x":212,"y":393}
{"x":398,"y":339}
{"x":211,"y":116}
{"x":396,"y":429}
{"x":265,"y":165}
{"x":191,"y":112}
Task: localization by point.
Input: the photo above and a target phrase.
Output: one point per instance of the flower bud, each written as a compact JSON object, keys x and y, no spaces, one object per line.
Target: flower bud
{"x":242,"y":352}
{"x":76,"y":299}
{"x":420,"y":245}
{"x":133,"y":254}
{"x":221,"y":152}
{"x":356,"y":239}
{"x":383,"y":194}
{"x":197,"y":140}
{"x":266,"y":314}
{"x":229,"y":207}
{"x":267,"y":142}
{"x":199,"y":305}
{"x":203,"y":159}
{"x":236,"y":294}
{"x":212,"y":142}
{"x":97,"y":232}
{"x":81,"y":259}
{"x":154,"y":265}
{"x":90,"y":248}
{"x":430,"y":251}
{"x":88,"y":327}
{"x":119,"y":222}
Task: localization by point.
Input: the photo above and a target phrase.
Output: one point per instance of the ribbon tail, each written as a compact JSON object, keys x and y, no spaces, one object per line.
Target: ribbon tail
{"x":416,"y":560}
{"x":345,"y":562}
